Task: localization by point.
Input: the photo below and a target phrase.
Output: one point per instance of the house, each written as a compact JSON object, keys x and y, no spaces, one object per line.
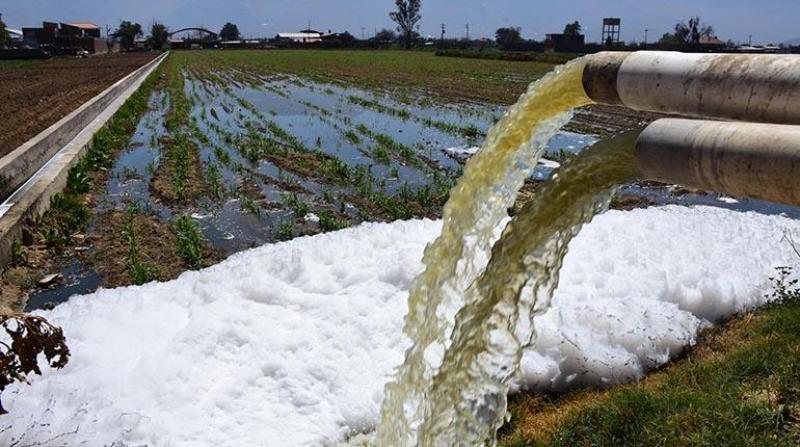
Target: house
{"x":340,"y":38}
{"x":15,"y":34}
{"x":80,"y":30}
{"x":46,"y":35}
{"x":65,"y":38}
{"x":300,"y":37}
{"x":712,"y":43}
{"x":564,"y":42}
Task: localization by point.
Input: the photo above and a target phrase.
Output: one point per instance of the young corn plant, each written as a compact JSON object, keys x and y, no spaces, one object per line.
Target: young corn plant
{"x":189,"y":241}
{"x":141,"y":272}
{"x":296,"y":204}
{"x":285,"y":231}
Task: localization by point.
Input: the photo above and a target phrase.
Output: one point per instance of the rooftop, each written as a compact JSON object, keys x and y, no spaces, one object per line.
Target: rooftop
{"x":83,"y":25}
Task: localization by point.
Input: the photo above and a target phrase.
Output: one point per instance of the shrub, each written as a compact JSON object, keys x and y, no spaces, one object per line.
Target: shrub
{"x":31,"y":336}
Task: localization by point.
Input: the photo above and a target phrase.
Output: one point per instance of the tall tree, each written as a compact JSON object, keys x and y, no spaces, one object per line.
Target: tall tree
{"x":159,"y":35}
{"x":688,"y":33}
{"x":386,"y":35}
{"x":127,"y":32}
{"x":406,"y":17}
{"x":572,"y":30}
{"x":507,"y":37}
{"x":230,"y":32}
{"x":4,"y":36}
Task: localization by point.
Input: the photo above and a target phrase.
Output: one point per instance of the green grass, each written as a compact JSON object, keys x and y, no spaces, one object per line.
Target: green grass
{"x":739,"y":387}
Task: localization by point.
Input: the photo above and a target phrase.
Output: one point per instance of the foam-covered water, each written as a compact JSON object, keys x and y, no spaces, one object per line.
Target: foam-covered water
{"x":291,"y":344}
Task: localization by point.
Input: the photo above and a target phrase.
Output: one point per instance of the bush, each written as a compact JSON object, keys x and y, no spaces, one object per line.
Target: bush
{"x":30,"y":337}
{"x":784,"y":288}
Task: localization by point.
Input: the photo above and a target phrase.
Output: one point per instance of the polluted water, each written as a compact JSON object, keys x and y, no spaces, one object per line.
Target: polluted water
{"x":470,"y":311}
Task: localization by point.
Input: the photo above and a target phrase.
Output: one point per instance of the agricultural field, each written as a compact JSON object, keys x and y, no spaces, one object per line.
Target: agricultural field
{"x":220,"y":152}
{"x":223,"y":151}
{"x":36,"y":94}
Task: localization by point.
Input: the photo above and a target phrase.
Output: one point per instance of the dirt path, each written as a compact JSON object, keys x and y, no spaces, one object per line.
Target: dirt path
{"x":34,"y":97}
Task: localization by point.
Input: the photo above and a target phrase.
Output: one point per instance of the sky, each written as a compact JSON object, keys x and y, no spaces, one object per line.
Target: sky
{"x":768,"y":21}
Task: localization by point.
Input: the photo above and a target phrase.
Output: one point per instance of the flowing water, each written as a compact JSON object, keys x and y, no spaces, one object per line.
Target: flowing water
{"x":464,"y":311}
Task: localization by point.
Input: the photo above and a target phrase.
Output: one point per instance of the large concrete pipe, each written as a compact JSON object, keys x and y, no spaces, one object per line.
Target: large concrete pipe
{"x":761,"y":161}
{"x":746,"y":87}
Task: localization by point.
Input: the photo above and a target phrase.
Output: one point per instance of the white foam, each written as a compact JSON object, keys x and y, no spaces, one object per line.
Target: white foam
{"x":290,"y":344}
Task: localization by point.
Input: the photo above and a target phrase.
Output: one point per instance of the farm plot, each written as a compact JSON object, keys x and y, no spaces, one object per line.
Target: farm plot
{"x":36,"y":94}
{"x":225,"y":156}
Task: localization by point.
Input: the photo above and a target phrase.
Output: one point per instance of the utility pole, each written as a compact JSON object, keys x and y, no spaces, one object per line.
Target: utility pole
{"x":362,"y":33}
{"x":646,"y":30}
{"x":467,"y":31}
{"x":443,"y":31}
{"x":750,"y":40}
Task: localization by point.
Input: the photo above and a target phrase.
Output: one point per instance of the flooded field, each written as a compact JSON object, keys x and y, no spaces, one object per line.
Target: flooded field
{"x":226,"y":155}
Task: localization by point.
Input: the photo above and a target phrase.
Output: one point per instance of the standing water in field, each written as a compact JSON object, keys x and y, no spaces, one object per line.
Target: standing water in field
{"x":464,"y":313}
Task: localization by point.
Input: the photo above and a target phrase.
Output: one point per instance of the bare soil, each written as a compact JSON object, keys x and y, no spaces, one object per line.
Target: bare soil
{"x":34,"y":97}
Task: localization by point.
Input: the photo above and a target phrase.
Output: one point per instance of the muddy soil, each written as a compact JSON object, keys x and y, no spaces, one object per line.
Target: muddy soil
{"x":603,"y":120}
{"x":34,"y":97}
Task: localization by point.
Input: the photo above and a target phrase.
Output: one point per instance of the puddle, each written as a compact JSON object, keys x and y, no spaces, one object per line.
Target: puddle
{"x":75,"y":280}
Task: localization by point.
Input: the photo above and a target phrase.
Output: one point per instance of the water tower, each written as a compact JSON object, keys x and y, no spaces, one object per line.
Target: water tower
{"x":611,"y":30}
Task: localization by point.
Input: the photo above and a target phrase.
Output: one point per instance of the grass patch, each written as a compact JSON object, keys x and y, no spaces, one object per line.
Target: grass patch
{"x":739,"y":387}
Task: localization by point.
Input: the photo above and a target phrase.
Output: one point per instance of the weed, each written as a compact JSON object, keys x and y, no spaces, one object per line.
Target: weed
{"x":285,"y":231}
{"x":248,"y":205}
{"x":189,"y":241}
{"x":329,"y":222}
{"x":784,"y":287}
{"x":296,"y":204}
{"x":141,"y":272}
{"x":78,"y":181}
{"x":380,"y":155}
{"x":73,"y":214}
{"x":329,"y":196}
{"x":19,"y":255}
{"x":352,"y":137}
{"x":470,"y":131}
{"x":214,"y":177}
{"x":54,"y":238}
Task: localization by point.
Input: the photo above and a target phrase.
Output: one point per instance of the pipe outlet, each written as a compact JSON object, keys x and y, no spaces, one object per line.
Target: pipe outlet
{"x":760,"y":161}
